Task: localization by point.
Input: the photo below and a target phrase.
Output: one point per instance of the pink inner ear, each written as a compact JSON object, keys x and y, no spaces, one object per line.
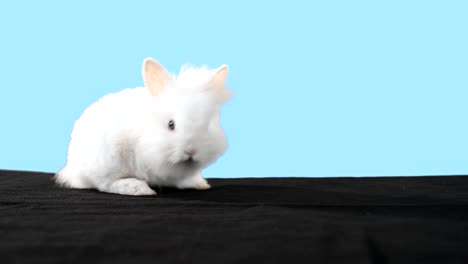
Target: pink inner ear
{"x":154,"y":86}
{"x":220,"y":76}
{"x":154,"y":76}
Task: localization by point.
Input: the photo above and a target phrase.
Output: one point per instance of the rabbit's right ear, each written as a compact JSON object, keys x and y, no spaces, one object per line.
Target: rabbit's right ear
{"x":155,"y":76}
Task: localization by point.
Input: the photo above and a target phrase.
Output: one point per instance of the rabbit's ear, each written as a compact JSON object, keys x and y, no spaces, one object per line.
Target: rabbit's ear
{"x":218,"y":81}
{"x":155,"y":76}
{"x":220,"y":75}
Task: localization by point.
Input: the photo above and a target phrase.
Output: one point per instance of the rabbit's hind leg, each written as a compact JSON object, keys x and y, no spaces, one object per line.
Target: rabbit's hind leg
{"x":126,"y":186}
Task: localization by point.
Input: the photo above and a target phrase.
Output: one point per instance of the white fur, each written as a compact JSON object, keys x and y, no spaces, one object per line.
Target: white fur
{"x":122,"y":143}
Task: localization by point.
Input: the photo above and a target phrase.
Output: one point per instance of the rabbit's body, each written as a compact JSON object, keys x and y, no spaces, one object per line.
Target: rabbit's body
{"x":123,"y":144}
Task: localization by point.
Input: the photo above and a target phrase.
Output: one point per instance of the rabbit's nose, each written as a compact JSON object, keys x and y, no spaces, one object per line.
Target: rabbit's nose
{"x":189,"y":151}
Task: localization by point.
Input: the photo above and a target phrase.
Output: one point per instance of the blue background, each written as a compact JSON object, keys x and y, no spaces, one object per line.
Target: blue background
{"x":322,"y":88}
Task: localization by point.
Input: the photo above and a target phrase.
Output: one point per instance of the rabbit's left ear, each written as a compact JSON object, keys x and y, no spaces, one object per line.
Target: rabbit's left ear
{"x":218,"y":83}
{"x":155,"y":76}
{"x":220,"y":75}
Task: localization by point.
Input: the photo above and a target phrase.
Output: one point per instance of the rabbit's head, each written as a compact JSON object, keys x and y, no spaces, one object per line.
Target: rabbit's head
{"x":186,"y":111}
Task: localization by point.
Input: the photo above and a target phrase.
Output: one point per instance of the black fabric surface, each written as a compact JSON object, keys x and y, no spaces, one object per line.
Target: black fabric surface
{"x":255,"y":220}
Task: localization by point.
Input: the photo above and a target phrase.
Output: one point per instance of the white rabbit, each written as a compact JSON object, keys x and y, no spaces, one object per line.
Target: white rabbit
{"x":161,"y":134}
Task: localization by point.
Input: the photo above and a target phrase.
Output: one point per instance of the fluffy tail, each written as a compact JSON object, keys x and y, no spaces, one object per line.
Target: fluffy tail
{"x":71,"y":178}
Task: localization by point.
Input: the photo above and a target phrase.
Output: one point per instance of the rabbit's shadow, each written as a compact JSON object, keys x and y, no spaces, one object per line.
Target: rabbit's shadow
{"x":237,"y":193}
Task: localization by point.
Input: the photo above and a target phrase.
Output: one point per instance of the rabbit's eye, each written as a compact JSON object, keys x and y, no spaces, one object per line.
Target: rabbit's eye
{"x":171,"y":125}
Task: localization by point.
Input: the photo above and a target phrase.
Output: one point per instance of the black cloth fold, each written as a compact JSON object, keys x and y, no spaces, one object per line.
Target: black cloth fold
{"x":242,"y":220}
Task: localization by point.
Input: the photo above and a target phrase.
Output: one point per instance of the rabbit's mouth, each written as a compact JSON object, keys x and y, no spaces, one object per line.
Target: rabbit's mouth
{"x":189,"y":163}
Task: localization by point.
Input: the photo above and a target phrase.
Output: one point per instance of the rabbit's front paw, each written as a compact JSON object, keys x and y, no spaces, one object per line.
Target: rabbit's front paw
{"x":196,"y":182}
{"x":202,"y":185}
